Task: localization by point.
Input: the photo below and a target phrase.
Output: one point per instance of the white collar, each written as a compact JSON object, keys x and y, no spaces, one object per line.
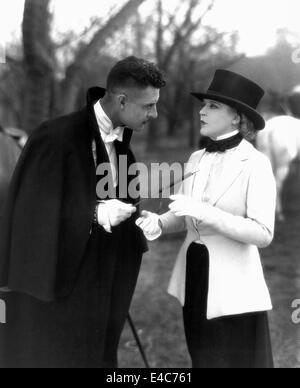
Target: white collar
{"x":108,"y":133}
{"x":228,"y":135}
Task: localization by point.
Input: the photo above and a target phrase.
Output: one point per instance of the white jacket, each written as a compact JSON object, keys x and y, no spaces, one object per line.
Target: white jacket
{"x":242,"y":221}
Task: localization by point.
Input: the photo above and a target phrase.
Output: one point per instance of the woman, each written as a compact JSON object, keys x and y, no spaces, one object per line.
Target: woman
{"x":228,"y":208}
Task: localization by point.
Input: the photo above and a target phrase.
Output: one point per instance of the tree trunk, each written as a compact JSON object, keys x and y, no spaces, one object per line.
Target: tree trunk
{"x":139,"y":29}
{"x":75,"y":73}
{"x":159,"y":34}
{"x":194,"y":124}
{"x":38,"y":62}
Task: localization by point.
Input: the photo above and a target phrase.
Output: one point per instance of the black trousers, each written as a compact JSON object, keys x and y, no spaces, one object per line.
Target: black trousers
{"x":241,"y":341}
{"x":80,"y":331}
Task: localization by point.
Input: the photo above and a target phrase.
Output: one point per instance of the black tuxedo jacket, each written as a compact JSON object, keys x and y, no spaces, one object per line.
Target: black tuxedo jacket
{"x":49,"y":212}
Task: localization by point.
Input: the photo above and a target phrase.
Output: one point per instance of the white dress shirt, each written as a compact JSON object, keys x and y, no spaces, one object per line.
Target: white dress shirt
{"x":109,"y":135}
{"x":212,"y":167}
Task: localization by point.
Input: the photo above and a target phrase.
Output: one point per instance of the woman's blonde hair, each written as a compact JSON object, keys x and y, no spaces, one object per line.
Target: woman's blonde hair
{"x":246,"y":128}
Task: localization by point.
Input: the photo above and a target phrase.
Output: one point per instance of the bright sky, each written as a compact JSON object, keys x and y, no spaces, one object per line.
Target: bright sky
{"x":256,"y":20}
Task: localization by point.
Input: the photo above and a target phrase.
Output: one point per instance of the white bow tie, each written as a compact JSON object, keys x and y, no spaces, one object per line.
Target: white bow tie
{"x":113,"y":135}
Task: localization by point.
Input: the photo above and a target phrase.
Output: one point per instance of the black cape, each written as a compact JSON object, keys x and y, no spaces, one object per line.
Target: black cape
{"x":49,"y":212}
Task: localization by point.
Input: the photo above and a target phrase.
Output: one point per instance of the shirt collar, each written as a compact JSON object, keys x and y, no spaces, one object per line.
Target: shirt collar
{"x":228,"y":135}
{"x":108,"y":133}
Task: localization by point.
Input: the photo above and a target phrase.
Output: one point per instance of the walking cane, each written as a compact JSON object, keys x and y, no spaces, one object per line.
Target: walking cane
{"x":138,"y":341}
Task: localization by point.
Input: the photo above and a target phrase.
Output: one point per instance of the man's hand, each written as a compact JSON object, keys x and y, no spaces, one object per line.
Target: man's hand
{"x":117,"y":211}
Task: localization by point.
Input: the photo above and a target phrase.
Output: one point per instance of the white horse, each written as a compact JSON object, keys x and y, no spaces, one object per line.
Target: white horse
{"x":280,"y":141}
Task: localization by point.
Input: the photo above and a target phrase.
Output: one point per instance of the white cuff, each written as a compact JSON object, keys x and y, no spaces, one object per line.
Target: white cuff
{"x":103,"y":217}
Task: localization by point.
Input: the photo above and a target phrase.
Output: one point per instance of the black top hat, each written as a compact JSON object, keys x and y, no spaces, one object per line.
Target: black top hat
{"x":236,"y":91}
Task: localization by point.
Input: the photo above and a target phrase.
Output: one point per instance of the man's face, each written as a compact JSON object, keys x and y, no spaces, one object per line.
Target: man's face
{"x":138,"y":107}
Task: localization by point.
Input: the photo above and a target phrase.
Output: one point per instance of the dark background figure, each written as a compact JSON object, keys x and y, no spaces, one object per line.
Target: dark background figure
{"x":18,"y":135}
{"x":9,"y":155}
{"x":72,"y":263}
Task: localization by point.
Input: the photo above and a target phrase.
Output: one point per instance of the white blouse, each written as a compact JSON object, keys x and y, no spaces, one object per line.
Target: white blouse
{"x":212,"y":167}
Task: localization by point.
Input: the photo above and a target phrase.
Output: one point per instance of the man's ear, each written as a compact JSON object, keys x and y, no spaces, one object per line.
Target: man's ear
{"x":122,"y":99}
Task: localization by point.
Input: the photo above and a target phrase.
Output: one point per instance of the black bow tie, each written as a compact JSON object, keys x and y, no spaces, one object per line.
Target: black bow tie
{"x":220,"y":145}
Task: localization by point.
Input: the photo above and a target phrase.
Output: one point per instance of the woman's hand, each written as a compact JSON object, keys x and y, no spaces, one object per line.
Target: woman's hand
{"x":150,"y":225}
{"x":184,"y":206}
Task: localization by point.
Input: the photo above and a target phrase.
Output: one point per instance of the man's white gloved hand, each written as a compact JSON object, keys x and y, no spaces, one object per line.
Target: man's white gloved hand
{"x":113,"y":213}
{"x":150,"y":225}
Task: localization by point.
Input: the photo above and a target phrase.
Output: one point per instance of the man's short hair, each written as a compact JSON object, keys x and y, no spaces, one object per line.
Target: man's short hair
{"x":135,"y":72}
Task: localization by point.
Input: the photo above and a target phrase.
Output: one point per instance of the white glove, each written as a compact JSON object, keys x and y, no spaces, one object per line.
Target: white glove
{"x":184,"y":206}
{"x":150,"y":225}
{"x":113,"y":213}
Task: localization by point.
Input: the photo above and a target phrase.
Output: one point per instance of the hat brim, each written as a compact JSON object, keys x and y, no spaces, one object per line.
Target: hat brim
{"x":257,"y":120}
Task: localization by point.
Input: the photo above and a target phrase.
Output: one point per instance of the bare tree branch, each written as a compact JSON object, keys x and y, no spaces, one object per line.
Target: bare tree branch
{"x":172,"y":16}
{"x":86,"y":55}
{"x":95,"y":23}
{"x":186,"y":29}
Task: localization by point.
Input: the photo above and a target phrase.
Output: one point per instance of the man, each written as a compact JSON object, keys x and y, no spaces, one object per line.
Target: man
{"x":71,"y":259}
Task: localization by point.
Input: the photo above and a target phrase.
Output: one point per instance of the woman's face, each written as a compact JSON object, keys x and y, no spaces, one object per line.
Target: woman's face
{"x":217,"y":119}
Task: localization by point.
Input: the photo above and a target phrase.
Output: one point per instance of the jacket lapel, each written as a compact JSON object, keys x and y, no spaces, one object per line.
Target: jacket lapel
{"x":192,"y":167}
{"x":233,"y":170}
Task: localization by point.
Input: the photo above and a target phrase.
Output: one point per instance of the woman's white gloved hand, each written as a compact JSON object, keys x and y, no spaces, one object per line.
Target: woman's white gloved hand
{"x":150,"y":225}
{"x":184,"y":206}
